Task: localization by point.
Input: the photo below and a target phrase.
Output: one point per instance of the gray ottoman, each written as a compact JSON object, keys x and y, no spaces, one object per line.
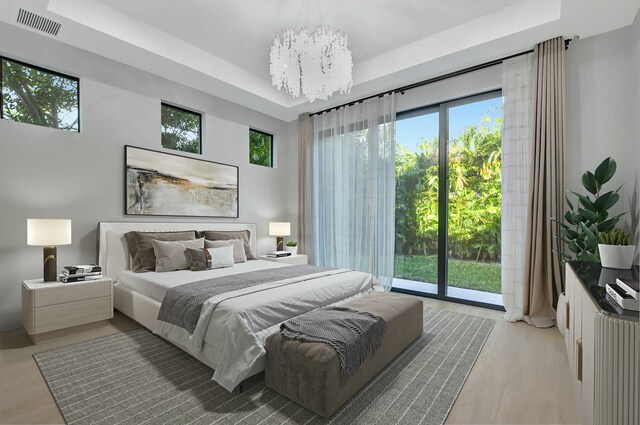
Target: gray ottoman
{"x":309,"y":373}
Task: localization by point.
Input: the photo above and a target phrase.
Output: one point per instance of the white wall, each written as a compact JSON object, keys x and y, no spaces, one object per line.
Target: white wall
{"x":603,"y":115}
{"x":477,"y":82}
{"x":47,"y":173}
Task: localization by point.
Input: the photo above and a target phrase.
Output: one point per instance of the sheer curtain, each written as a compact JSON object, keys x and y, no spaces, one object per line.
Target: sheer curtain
{"x":350,"y":211}
{"x":516,"y":166}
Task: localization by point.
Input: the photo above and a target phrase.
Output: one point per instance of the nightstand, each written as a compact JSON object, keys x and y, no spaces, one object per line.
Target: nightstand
{"x":291,"y":259}
{"x":52,"y":310}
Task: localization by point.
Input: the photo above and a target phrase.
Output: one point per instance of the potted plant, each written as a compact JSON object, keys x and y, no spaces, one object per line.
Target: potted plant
{"x":589,"y":217}
{"x":615,"y":250}
{"x":292,"y":247}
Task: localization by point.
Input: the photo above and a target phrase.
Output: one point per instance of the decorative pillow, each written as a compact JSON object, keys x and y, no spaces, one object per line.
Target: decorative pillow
{"x":210,"y":258}
{"x":220,"y":235}
{"x":239,"y":255}
{"x":172,"y":255}
{"x":141,"y":247}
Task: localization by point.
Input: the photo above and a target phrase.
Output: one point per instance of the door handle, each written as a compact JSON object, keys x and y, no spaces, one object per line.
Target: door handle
{"x":567,"y":316}
{"x":579,"y":359}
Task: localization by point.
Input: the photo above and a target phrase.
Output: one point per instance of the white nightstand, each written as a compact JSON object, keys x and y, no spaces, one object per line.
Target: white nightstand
{"x":291,"y":259}
{"x":52,"y":310}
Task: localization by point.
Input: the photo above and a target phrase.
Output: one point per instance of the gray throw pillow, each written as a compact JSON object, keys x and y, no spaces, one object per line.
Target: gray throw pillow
{"x":172,"y":255}
{"x":224,"y":235}
{"x":211,"y":258}
{"x":141,"y":247}
{"x":239,"y":255}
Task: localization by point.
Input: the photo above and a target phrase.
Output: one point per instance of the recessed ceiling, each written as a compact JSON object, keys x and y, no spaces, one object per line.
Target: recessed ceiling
{"x":241,"y":32}
{"x":222,"y":46}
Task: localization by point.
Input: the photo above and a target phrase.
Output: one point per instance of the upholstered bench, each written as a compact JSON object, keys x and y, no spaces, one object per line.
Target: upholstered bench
{"x":309,"y":373}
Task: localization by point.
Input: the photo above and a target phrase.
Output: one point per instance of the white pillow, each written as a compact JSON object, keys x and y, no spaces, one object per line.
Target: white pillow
{"x":239,"y":255}
{"x":210,"y":258}
{"x":221,"y":257}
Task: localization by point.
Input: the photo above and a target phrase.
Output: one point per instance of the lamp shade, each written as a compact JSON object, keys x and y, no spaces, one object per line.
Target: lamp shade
{"x":48,"y":232}
{"x":279,"y":228}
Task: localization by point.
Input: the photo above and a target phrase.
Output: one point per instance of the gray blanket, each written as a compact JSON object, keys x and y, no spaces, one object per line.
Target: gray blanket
{"x":182,"y":304}
{"x":355,"y":335}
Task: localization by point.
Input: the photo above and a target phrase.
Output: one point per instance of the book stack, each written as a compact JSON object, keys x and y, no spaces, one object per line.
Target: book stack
{"x":80,"y":273}
{"x":277,"y":254}
{"x":626,"y":293}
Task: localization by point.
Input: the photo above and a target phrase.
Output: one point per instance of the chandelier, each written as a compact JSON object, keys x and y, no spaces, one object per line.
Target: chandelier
{"x":316,"y":63}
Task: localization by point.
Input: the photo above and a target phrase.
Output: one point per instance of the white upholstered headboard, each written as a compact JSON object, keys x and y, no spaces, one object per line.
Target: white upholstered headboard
{"x":113,"y":254}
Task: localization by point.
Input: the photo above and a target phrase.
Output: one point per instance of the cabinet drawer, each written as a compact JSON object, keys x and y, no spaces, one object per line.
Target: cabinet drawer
{"x":60,"y":316}
{"x":71,"y":293}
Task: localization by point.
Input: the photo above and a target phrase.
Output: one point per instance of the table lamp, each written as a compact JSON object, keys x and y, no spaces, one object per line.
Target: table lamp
{"x":279,"y":229}
{"x":48,"y":233}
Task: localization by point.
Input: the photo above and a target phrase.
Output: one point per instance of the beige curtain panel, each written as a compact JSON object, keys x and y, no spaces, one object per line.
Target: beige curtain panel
{"x":305,"y":144}
{"x":543,"y":273}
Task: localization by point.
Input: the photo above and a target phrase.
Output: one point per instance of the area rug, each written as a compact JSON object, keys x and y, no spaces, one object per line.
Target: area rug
{"x":138,"y":378}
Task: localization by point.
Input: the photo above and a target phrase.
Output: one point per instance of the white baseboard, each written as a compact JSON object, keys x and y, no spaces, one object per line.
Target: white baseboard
{"x":10,"y":320}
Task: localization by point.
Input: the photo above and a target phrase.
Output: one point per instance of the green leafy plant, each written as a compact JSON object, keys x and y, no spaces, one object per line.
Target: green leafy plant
{"x":589,"y":217}
{"x":475,"y":195}
{"x":615,"y":237}
{"x":292,"y":243}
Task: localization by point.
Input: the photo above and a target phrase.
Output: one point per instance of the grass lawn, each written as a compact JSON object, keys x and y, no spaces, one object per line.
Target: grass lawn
{"x":462,"y":273}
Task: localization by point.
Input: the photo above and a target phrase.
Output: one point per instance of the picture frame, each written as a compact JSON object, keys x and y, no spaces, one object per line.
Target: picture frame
{"x":166,"y":184}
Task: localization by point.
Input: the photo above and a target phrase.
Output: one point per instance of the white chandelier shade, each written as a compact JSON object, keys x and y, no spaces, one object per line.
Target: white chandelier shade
{"x":315,"y":64}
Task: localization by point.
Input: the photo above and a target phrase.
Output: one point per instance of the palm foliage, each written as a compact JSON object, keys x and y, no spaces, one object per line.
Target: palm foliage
{"x":475,"y":195}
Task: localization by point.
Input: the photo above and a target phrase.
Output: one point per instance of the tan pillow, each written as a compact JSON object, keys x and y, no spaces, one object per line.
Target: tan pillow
{"x":141,"y":247}
{"x":172,"y":255}
{"x":239,"y":255}
{"x":224,"y":235}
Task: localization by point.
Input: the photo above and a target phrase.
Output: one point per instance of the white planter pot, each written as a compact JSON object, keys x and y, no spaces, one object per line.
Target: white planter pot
{"x":616,"y":256}
{"x":292,"y":249}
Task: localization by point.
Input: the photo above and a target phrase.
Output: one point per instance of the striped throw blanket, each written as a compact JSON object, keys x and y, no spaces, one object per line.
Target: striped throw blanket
{"x":355,"y":335}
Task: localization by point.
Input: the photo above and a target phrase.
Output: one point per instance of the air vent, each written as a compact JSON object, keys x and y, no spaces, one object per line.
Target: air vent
{"x":38,"y":22}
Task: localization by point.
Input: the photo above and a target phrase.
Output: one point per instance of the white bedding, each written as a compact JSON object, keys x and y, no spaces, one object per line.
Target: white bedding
{"x":233,"y":334}
{"x":155,"y":285}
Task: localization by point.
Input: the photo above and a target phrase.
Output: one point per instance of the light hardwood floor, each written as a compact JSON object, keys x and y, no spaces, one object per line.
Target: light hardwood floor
{"x":520,"y":377}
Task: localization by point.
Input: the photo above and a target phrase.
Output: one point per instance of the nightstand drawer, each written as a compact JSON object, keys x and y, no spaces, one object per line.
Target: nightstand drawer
{"x":59,"y":316}
{"x":71,"y":293}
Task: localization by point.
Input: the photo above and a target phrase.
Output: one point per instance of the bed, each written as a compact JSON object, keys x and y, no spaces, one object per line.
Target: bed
{"x":232,"y":336}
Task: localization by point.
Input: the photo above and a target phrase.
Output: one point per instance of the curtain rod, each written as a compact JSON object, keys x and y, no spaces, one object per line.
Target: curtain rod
{"x":433,"y":80}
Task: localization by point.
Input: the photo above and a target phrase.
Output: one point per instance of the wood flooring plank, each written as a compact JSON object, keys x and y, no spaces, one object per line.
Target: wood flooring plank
{"x":520,"y":377}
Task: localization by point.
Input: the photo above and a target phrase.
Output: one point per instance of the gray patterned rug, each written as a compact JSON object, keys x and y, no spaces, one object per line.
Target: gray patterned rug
{"x":138,"y":378}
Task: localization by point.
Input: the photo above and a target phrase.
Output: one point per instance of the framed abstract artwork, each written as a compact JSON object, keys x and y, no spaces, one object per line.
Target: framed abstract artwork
{"x":159,"y":183}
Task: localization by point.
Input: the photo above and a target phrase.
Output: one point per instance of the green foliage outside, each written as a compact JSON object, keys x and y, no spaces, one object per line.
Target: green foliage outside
{"x":475,"y":202}
{"x":180,"y":129}
{"x":475,"y":195}
{"x":260,"y":145}
{"x":34,"y":96}
{"x":481,"y":276}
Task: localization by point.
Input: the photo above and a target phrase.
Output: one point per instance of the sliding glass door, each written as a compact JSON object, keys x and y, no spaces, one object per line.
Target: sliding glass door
{"x":448,"y":200}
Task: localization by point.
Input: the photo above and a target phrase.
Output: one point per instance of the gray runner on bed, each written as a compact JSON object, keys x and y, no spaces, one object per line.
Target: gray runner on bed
{"x":355,"y":335}
{"x":182,"y":304}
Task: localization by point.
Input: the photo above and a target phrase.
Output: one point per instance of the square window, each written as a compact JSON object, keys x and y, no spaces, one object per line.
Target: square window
{"x":37,"y":96}
{"x":181,"y":129}
{"x":260,"y":148}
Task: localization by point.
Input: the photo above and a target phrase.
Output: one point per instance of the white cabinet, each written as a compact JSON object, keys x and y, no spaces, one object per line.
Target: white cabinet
{"x":52,"y":310}
{"x":604,"y":356}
